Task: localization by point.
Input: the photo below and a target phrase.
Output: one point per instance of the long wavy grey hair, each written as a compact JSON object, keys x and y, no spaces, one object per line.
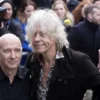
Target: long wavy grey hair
{"x":49,"y":24}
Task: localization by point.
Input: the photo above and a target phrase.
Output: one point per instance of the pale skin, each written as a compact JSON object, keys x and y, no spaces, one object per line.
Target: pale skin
{"x":46,"y":46}
{"x":60,"y":10}
{"x":94,"y":17}
{"x":28,"y":10}
{"x":10,"y":55}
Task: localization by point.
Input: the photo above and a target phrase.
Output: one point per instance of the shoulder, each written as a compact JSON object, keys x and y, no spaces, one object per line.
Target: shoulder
{"x":15,"y":23}
{"x":22,"y":72}
{"x":80,"y":24}
{"x":31,"y":55}
{"x":81,"y":63}
{"x":30,"y":60}
{"x":76,"y":56}
{"x":78,"y":29}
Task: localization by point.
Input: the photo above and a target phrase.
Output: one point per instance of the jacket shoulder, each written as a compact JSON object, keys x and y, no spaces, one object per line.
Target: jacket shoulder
{"x":76,"y":55}
{"x":14,"y":23}
{"x":29,"y":60}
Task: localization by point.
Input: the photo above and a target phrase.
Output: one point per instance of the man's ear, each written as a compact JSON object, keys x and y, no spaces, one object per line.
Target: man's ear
{"x":89,"y":17}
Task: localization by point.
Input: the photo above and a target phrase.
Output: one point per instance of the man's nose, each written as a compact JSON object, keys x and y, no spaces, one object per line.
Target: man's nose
{"x":37,"y":37}
{"x":13,"y":55}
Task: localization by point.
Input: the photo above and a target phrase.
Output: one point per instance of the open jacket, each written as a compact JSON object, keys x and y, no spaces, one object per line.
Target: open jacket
{"x":71,"y":76}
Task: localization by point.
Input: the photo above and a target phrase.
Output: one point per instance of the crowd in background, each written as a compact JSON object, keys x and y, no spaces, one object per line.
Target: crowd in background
{"x":71,"y":13}
{"x":81,"y":24}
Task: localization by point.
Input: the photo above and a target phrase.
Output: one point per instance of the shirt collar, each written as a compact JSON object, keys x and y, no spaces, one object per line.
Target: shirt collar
{"x":21,"y":73}
{"x":59,"y":55}
{"x":34,"y":58}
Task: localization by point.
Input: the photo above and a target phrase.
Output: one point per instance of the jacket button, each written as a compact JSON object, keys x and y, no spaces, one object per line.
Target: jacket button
{"x":30,"y":76}
{"x":59,"y":80}
{"x":65,"y":81}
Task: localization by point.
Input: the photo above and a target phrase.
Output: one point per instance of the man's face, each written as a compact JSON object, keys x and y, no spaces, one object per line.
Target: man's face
{"x":10,"y":54}
{"x":41,"y":42}
{"x":8,"y":14}
{"x":96,"y":16}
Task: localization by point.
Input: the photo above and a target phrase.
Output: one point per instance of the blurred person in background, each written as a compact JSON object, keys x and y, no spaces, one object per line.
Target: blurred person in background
{"x":63,"y":13}
{"x":78,"y":12}
{"x":27,"y":7}
{"x":16,"y":5}
{"x":43,"y":3}
{"x":85,"y":36}
{"x":8,"y":24}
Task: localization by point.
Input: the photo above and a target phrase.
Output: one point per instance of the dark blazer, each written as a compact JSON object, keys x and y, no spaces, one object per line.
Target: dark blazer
{"x":85,"y":37}
{"x":14,"y":28}
{"x":71,"y":76}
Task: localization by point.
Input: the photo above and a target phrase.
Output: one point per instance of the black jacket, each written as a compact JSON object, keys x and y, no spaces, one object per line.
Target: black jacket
{"x":14,"y":28}
{"x":71,"y":76}
{"x":85,"y":37}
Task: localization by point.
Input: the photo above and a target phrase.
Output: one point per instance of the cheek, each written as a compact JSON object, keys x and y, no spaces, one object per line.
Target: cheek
{"x":57,"y":12}
{"x":48,"y":43}
{"x":27,"y":13}
{"x":3,"y":58}
{"x":18,"y":55}
{"x":32,"y":40}
{"x":9,"y":12}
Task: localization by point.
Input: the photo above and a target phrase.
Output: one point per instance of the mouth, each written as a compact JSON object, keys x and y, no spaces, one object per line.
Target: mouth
{"x":38,"y":45}
{"x":13,"y":62}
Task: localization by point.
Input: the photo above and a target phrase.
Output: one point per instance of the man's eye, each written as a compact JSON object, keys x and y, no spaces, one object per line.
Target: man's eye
{"x":18,"y":50}
{"x":5,"y":51}
{"x":42,"y":34}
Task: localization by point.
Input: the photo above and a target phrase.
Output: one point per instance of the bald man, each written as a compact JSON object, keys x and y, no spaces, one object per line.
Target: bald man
{"x":15,"y":81}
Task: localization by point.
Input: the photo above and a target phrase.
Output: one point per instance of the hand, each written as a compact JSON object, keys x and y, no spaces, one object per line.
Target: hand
{"x":1,"y":25}
{"x":98,"y":66}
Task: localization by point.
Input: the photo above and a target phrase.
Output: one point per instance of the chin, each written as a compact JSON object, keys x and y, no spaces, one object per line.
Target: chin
{"x":40,"y":51}
{"x":14,"y":66}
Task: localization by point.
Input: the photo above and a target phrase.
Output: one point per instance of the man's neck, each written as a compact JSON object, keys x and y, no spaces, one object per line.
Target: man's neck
{"x":49,"y":57}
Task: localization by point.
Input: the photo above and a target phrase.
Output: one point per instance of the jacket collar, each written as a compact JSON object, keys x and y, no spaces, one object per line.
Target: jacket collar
{"x":21,"y":73}
{"x":92,"y":26}
{"x":62,"y":66}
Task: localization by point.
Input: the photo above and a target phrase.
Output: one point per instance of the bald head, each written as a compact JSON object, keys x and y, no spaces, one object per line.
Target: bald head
{"x":11,"y":38}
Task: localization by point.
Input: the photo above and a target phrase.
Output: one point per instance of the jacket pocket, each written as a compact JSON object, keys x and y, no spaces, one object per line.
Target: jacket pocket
{"x":63,"y":87}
